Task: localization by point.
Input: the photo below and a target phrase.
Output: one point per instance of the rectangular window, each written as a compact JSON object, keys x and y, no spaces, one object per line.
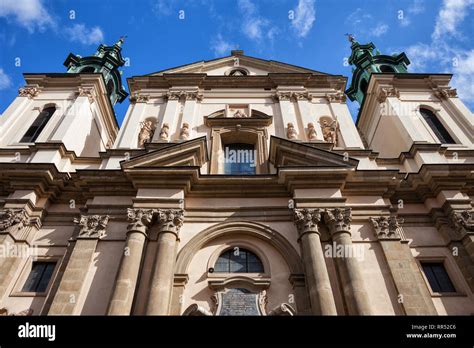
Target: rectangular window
{"x":437,"y":277}
{"x":39,"y":277}
{"x":240,"y":159}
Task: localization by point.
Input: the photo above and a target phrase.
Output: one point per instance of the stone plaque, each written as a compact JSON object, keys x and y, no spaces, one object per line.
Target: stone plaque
{"x":238,"y":302}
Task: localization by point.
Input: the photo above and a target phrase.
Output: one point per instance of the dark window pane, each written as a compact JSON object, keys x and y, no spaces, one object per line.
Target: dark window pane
{"x":39,"y":277}
{"x":438,"y":277}
{"x":436,"y":126}
{"x":37,"y":126}
{"x":238,"y":261}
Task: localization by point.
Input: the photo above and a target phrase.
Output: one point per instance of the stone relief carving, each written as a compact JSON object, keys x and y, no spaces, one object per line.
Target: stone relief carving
{"x":139,"y":98}
{"x":384,"y":93}
{"x":462,"y":221}
{"x":184,"y":133}
{"x":330,"y":131}
{"x":240,"y":114}
{"x":193,"y":96}
{"x":87,"y":92}
{"x":92,"y":226}
{"x":446,"y":92}
{"x":338,"y":219}
{"x":291,"y":131}
{"x":170,"y":220}
{"x":13,"y":217}
{"x":338,"y":97}
{"x":311,"y":132}
{"x":278,"y":96}
{"x":387,"y":227}
{"x":306,"y":220}
{"x":164,"y":133}
{"x":147,"y":129}
{"x":30,"y":92}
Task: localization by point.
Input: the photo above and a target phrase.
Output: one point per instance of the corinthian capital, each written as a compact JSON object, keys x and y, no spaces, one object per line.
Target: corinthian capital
{"x":140,"y":219}
{"x":170,"y":220}
{"x":338,"y":219}
{"x":13,"y":218}
{"x":92,"y":226}
{"x":29,"y":92}
{"x":386,"y":227}
{"x":462,"y":221}
{"x":306,"y":220}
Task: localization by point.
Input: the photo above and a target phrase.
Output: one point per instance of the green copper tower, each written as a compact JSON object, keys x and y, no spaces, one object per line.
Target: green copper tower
{"x":106,"y":60}
{"x":367,"y":60}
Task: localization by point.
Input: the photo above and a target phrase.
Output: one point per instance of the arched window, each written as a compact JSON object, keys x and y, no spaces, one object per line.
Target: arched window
{"x":240,"y":159}
{"x":238,"y":260}
{"x":35,"y":129}
{"x":436,"y":126}
{"x":238,"y":72}
{"x":387,"y":69}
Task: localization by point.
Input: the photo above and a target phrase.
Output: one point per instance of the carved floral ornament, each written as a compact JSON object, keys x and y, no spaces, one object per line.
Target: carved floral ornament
{"x":177,"y":95}
{"x":384,"y":93}
{"x":30,"y":92}
{"x":279,"y":96}
{"x":387,"y":227}
{"x":92,"y":226}
{"x":168,"y":220}
{"x":336,"y":97}
{"x":139,"y":98}
{"x":13,"y":218}
{"x":87,"y":92}
{"x":336,"y":219}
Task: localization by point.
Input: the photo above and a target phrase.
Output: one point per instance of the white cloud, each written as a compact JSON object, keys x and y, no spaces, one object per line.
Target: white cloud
{"x":463,"y":79}
{"x":417,"y":7}
{"x":450,"y":16}
{"x":254,"y":26}
{"x":164,"y":7}
{"x":358,"y":16}
{"x":304,"y":17}
{"x":222,"y":47}
{"x":30,"y":14}
{"x":80,"y":33}
{"x":5,"y":80}
{"x":379,"y":30}
{"x":420,"y":55}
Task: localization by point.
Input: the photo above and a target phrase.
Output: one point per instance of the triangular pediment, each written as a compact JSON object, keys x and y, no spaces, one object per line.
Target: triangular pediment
{"x":252,"y":65}
{"x":287,"y":153}
{"x":192,"y":153}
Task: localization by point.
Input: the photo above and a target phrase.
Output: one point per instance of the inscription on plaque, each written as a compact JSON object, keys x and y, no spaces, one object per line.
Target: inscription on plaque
{"x":238,"y":302}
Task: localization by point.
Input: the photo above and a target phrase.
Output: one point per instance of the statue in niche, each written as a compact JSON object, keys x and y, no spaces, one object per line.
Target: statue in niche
{"x":184,"y":134}
{"x":164,"y":134}
{"x":330,"y":131}
{"x":291,"y":132}
{"x":146,"y":133}
{"x":311,"y":132}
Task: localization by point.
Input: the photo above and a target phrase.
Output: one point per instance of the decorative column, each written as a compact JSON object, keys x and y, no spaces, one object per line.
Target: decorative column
{"x":413,"y":295}
{"x":169,"y":222}
{"x":338,"y":221}
{"x":317,"y":277}
{"x":92,"y":228}
{"x":126,"y":283}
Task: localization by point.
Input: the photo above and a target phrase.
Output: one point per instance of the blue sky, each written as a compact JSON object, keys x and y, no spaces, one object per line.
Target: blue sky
{"x":37,"y":36}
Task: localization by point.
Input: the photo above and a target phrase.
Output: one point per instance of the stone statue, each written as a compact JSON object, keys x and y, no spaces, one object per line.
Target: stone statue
{"x":164,"y":134}
{"x":146,"y":133}
{"x":311,"y":132}
{"x":330,"y":131}
{"x":184,"y":134}
{"x":291,"y":132}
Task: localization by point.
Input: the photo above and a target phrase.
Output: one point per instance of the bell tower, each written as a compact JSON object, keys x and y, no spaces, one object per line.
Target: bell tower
{"x":106,"y":60}
{"x":367,"y":59}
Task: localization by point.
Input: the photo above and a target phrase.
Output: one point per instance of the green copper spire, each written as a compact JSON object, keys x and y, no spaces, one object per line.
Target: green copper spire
{"x":106,"y":60}
{"x":367,"y":60}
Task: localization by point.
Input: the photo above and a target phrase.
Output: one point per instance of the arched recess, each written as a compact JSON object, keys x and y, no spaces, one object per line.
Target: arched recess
{"x":236,"y":230}
{"x":254,"y":229}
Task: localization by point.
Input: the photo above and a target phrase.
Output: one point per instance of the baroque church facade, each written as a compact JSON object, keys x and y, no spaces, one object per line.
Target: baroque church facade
{"x":237,"y":186}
